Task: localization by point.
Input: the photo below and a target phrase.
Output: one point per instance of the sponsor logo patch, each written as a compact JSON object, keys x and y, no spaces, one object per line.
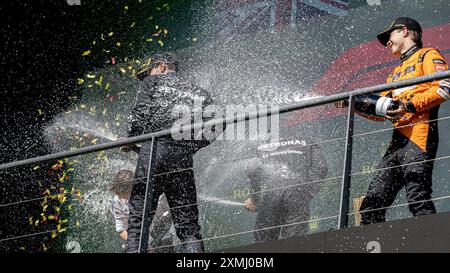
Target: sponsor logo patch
{"x":445,"y":83}
{"x":397,"y":76}
{"x":444,"y":93}
{"x":438,"y":61}
{"x":410,"y":69}
{"x":439,"y":67}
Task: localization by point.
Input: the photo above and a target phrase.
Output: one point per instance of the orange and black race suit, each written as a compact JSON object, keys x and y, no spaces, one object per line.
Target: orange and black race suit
{"x":408,"y":162}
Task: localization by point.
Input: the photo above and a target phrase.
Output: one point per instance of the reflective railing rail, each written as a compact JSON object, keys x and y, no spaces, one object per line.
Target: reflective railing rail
{"x":346,"y":174}
{"x":247,"y":116}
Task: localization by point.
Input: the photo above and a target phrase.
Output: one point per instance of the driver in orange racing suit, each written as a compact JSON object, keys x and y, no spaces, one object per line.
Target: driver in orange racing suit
{"x":408,"y":161}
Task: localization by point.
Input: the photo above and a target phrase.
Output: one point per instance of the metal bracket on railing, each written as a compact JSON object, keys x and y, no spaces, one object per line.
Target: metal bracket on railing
{"x":148,"y":212}
{"x":345,"y":187}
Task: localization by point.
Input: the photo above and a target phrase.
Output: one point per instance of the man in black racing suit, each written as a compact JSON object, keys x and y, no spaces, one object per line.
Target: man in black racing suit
{"x":282,"y":177}
{"x":160,"y":93}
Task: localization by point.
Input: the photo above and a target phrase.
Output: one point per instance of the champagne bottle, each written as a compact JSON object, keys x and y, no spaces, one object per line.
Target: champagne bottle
{"x":373,"y":105}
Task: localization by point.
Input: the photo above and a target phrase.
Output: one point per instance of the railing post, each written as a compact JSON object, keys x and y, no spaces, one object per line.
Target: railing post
{"x":345,"y":187}
{"x":147,"y":213}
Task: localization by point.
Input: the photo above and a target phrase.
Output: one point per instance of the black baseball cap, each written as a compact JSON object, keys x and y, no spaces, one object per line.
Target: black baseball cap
{"x":165,"y":57}
{"x":399,"y":23}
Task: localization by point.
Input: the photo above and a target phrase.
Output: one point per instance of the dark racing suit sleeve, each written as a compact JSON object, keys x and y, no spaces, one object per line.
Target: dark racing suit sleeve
{"x":210,"y":111}
{"x":254,"y":175}
{"x":141,"y":114}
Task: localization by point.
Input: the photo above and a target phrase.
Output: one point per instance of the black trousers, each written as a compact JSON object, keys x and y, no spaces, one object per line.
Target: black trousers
{"x":414,"y":175}
{"x":174,"y":177}
{"x":282,"y":207}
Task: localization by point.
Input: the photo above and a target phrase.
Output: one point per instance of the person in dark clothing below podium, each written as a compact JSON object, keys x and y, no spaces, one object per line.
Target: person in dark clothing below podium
{"x":160,"y":93}
{"x":289,"y":165}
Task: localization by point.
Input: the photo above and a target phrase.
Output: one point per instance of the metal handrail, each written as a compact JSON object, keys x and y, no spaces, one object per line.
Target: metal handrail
{"x":246,"y":116}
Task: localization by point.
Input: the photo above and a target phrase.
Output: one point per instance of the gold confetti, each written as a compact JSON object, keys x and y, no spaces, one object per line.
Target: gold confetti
{"x":35,"y":168}
{"x":83,"y":106}
{"x":161,"y":43}
{"x":110,"y":34}
{"x":54,"y":234}
{"x":78,"y":223}
{"x":80,"y":81}
{"x":40,"y":112}
{"x":87,"y":52}
{"x":133,"y":24}
{"x":94,"y":42}
{"x":107,"y":86}
{"x":122,"y":70}
{"x":99,"y":82}
{"x":90,"y":76}
{"x":51,"y":217}
{"x":149,"y":40}
{"x":126,"y":7}
{"x":73,"y":162}
{"x":102,"y":37}
{"x":30,"y":220}
{"x":118,"y":44}
{"x":165,"y":32}
{"x":157,"y":27}
{"x":194,"y":39}
{"x":44,"y":247}
{"x":94,"y":141}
